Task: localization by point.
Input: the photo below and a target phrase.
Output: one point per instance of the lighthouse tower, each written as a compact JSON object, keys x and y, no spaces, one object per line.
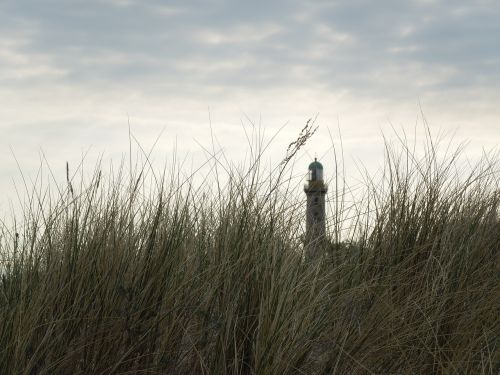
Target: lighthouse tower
{"x":315,"y":190}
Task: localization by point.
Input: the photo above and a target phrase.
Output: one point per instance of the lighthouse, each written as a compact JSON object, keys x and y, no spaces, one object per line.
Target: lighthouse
{"x":315,"y":190}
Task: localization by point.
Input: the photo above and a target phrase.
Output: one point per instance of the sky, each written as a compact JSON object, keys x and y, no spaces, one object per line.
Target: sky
{"x":74,"y":75}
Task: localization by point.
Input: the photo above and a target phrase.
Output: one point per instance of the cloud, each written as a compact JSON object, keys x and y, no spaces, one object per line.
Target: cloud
{"x":346,"y":43}
{"x":18,"y":65}
{"x":246,"y":34}
{"x":74,"y":71}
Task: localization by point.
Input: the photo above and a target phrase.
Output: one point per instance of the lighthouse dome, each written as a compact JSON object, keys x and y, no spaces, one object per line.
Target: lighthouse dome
{"x":315,"y":165}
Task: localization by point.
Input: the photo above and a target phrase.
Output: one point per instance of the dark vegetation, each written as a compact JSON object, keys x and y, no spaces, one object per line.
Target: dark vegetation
{"x":122,"y":276}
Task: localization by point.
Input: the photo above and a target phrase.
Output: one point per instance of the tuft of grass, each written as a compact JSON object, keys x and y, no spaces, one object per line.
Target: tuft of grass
{"x":127,"y":274}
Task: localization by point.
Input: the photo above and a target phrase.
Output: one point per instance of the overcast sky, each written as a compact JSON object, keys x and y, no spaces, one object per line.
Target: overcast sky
{"x":74,"y":73}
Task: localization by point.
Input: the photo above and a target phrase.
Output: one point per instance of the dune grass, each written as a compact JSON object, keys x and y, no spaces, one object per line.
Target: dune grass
{"x":119,"y":276}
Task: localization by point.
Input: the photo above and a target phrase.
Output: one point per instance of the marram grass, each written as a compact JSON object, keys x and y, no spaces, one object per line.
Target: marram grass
{"x":118,"y":278}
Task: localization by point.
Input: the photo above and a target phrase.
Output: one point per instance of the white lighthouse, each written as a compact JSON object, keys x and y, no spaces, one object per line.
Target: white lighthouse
{"x":315,"y":190}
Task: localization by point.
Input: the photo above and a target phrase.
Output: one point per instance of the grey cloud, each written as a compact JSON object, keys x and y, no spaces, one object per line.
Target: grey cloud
{"x":70,"y":71}
{"x":342,"y":45}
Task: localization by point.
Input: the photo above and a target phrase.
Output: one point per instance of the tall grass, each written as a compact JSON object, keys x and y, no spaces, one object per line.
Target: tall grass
{"x":118,"y":276}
